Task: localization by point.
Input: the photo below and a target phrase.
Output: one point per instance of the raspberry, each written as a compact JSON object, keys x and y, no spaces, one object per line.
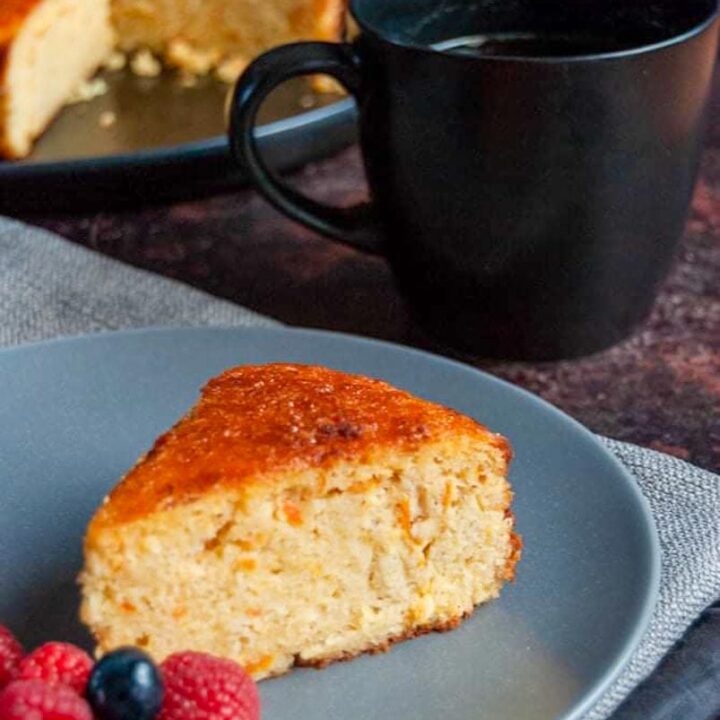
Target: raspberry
{"x":203,"y":687}
{"x":11,"y":653}
{"x":38,"y":700}
{"x":57,"y":662}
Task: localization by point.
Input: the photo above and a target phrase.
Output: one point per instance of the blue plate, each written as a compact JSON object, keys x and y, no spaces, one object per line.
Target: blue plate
{"x":75,"y":414}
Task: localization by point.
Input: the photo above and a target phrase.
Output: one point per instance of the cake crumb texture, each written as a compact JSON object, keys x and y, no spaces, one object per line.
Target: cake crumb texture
{"x":222,"y":34}
{"x":299,"y":516}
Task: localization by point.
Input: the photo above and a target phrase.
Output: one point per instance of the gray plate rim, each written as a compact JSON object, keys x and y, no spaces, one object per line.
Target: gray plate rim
{"x":604,"y":680}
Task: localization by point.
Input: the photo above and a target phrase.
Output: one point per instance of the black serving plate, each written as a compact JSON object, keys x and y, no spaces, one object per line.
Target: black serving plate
{"x":167,"y":143}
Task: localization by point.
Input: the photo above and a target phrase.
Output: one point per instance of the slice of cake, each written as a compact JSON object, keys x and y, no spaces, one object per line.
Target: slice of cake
{"x":48,"y":48}
{"x":225,"y":34}
{"x":296,"y":516}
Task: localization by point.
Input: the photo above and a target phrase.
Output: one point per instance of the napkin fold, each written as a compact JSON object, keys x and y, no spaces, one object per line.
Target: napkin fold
{"x":50,"y":287}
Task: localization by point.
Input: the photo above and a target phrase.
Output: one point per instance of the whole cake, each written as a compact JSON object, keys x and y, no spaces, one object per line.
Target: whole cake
{"x":48,"y":48}
{"x":299,"y":515}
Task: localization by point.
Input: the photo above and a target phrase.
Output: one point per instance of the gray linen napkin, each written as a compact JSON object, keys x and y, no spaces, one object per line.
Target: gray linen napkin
{"x":50,"y":287}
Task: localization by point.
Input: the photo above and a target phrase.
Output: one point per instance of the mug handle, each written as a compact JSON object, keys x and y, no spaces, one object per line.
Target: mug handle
{"x":355,"y":226}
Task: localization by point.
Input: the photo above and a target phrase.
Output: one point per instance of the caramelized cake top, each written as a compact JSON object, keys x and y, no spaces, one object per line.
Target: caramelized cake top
{"x":281,"y":417}
{"x":12,"y":15}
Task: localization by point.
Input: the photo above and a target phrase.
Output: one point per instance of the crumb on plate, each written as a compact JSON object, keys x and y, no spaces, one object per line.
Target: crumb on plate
{"x":88,"y":91}
{"x":230,"y":69}
{"x":198,"y":62}
{"x":307,"y":101}
{"x":145,"y":64}
{"x":107,"y":119}
{"x":115,"y":61}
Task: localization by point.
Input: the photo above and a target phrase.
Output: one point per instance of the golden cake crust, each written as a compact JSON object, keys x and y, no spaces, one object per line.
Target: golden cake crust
{"x":256,"y":421}
{"x":12,"y":15}
{"x":331,"y":18}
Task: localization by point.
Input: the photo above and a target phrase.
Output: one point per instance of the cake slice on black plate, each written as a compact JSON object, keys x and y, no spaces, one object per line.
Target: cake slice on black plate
{"x":49,"y":48}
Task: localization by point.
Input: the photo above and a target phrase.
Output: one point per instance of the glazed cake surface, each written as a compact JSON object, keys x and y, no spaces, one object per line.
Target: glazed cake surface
{"x":299,"y":515}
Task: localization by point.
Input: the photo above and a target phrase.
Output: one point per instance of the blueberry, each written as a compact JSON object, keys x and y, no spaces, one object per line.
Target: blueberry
{"x":125,"y":685}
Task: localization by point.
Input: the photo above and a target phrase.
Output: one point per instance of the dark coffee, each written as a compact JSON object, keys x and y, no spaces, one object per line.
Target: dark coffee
{"x":531,"y":45}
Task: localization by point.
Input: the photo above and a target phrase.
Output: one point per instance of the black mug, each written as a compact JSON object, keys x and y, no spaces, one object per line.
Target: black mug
{"x":530,"y":162}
